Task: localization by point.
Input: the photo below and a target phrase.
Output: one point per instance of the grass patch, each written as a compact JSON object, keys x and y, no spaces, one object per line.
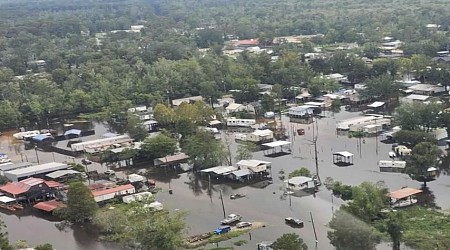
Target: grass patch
{"x":240,"y":243}
{"x":218,"y":238}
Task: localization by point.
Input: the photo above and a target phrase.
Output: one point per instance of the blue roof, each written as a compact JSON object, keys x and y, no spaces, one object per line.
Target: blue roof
{"x":72,"y":132}
{"x":40,"y":137}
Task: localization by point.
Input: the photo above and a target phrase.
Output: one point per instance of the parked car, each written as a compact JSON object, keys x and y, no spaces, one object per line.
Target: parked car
{"x":294,"y":222}
{"x":222,"y":230}
{"x":265,"y":245}
{"x":86,"y":162}
{"x":232,"y":218}
{"x":244,"y":224}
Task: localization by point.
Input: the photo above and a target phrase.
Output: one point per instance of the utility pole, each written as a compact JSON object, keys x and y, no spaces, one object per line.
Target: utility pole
{"x":37,"y":156}
{"x":223,"y":206}
{"x":315,"y":137}
{"x":314,"y":227}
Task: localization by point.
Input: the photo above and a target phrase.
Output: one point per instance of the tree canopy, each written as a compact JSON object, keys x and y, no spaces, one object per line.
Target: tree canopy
{"x":81,"y":206}
{"x":289,"y":241}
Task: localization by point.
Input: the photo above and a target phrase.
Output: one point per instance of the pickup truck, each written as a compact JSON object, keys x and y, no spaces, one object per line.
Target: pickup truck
{"x":232,"y":218}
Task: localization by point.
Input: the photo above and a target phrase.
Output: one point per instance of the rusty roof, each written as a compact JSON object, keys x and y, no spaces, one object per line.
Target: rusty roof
{"x":49,"y":206}
{"x":404,"y":192}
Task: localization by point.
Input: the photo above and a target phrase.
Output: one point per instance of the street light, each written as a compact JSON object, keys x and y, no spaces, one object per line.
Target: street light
{"x":35,"y":150}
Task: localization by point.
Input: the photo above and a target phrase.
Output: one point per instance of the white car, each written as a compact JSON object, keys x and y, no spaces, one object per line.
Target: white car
{"x":244,"y":224}
{"x":232,"y":218}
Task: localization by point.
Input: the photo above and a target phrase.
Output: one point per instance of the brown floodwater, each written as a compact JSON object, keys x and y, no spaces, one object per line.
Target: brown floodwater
{"x":265,"y":203}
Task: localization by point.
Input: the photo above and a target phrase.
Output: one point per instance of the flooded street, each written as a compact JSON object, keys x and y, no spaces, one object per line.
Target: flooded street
{"x":265,"y":203}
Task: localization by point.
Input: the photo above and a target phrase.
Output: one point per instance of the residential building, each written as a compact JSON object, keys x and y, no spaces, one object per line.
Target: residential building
{"x":108,"y":194}
{"x":192,"y":99}
{"x":31,"y":189}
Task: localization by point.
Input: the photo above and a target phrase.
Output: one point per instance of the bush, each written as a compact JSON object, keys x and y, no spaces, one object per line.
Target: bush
{"x":300,"y":172}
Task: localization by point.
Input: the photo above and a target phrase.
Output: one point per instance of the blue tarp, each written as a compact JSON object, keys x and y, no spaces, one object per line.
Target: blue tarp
{"x":72,"y":132}
{"x":40,"y":137}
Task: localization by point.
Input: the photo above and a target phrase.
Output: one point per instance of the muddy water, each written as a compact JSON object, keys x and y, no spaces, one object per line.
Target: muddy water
{"x":264,"y":203}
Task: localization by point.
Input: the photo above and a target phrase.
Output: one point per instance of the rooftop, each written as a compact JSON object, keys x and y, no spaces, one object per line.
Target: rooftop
{"x":343,"y":153}
{"x":264,"y":132}
{"x":276,"y":144}
{"x":418,"y":97}
{"x":252,"y":163}
{"x":403,"y":193}
{"x":173,"y":158}
{"x":112,"y":190}
{"x":49,"y":206}
{"x":425,"y":87}
{"x":297,"y":180}
{"x":220,"y":169}
{"x":12,"y":166}
{"x":61,"y":173}
{"x":38,"y":169}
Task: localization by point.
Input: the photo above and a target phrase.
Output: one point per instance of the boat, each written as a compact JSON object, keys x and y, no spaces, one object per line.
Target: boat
{"x":4,"y":158}
{"x":237,"y":196}
{"x":8,"y":203}
{"x":18,"y":206}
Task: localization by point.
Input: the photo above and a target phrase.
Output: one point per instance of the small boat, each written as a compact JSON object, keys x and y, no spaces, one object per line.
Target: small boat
{"x":237,"y":196}
{"x":18,"y":206}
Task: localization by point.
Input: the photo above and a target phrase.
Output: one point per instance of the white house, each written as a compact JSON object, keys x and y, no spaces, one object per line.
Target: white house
{"x":233,"y":122}
{"x":108,"y":194}
{"x":260,"y":136}
{"x":256,"y":166}
{"x":234,"y":107}
{"x":299,"y":183}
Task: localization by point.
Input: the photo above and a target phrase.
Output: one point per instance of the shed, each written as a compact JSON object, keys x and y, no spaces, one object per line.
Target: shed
{"x":343,"y":158}
{"x":234,"y":107}
{"x":392,"y":166}
{"x":240,"y":175}
{"x":255,"y":166}
{"x":299,"y":183}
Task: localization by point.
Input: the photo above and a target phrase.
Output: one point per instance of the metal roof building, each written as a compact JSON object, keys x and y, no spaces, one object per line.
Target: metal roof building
{"x":22,"y":173}
{"x":11,"y":166}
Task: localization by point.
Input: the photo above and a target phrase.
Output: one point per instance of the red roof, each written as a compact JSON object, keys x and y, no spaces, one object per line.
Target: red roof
{"x":49,"y":206}
{"x":112,"y":190}
{"x":248,"y":42}
{"x":404,"y":192}
{"x":23,"y":186}
{"x":53,"y":184}
{"x":13,"y":188}
{"x":173,"y":158}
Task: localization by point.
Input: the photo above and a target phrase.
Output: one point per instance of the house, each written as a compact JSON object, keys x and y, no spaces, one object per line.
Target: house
{"x":255,"y":166}
{"x":426,"y":89}
{"x":234,"y":108}
{"x":299,"y":183}
{"x":300,"y":113}
{"x":171,"y":159}
{"x":246,"y":43}
{"x":233,"y":122}
{"x":219,"y":171}
{"x":100,"y":145}
{"x":265,"y":87}
{"x":34,"y":171}
{"x":110,"y":193}
{"x":31,"y":189}
{"x":361,"y":120}
{"x":260,"y":136}
{"x":416,"y":98}
{"x":336,"y":77}
{"x":192,"y":99}
{"x":392,"y":166}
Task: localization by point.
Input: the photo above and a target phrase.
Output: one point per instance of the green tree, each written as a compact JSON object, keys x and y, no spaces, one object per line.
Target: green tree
{"x":423,"y":156}
{"x":413,"y":137}
{"x":368,"y":200}
{"x":4,"y":242}
{"x":394,"y":226}
{"x":382,"y":87}
{"x":418,"y":116}
{"x":46,"y":246}
{"x":371,"y":50}
{"x":267,"y":103}
{"x":245,"y":151}
{"x":81,"y":206}
{"x":289,"y":241}
{"x":135,"y":128}
{"x":349,"y":232}
{"x":204,"y":150}
{"x":158,"y":146}
{"x":300,"y":172}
